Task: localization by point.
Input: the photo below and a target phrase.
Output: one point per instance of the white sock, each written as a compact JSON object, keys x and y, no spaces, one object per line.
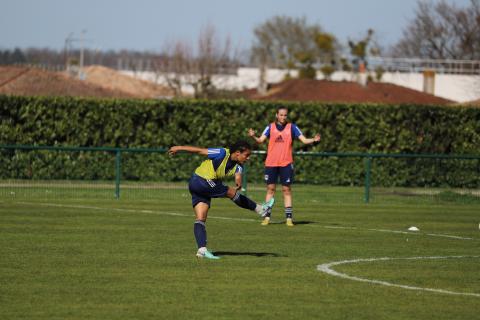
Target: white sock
{"x":258,"y":209}
{"x":202,"y":250}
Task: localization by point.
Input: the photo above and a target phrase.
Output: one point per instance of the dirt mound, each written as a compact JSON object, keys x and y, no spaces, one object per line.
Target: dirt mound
{"x":347,"y":92}
{"x":35,"y":82}
{"x":100,"y":82}
{"x":113,"y":80}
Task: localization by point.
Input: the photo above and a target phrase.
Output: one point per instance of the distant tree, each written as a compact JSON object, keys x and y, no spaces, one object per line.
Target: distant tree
{"x":285,"y":42}
{"x":279,"y":39}
{"x":327,"y":70}
{"x":346,"y":65}
{"x":291,"y":43}
{"x":44,"y":56}
{"x":262,"y":57}
{"x":361,"y":49}
{"x":328,"y":48}
{"x":379,"y":72}
{"x":180,"y":66}
{"x":176,"y":66}
{"x":4,"y":56}
{"x":305,"y":62}
{"x":18,"y":56}
{"x":12,"y":57}
{"x":214,"y":58}
{"x":442,"y":31}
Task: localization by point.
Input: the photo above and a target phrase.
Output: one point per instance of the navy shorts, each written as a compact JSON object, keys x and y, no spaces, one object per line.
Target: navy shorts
{"x":285,"y":173}
{"x":203,"y":190}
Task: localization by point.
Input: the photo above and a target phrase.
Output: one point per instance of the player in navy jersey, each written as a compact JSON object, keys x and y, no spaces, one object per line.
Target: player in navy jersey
{"x":279,"y":162}
{"x":206,"y":183}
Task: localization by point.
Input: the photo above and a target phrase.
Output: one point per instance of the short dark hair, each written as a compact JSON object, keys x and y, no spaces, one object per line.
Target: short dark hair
{"x":281,"y":108}
{"x":240,"y":145}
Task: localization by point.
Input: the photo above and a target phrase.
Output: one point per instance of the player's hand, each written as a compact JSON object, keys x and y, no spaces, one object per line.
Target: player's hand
{"x":239,"y":187}
{"x":317,"y":138}
{"x":173,"y":150}
{"x":251,"y":132}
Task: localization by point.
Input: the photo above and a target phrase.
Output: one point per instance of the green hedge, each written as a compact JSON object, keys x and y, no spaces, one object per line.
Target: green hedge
{"x":155,"y":124}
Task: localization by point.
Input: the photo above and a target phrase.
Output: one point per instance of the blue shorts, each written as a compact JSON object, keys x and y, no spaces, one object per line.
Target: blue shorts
{"x":285,"y":173}
{"x":203,"y":190}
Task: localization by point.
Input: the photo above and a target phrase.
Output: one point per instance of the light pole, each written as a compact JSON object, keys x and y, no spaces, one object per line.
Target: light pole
{"x":68,"y":42}
{"x":81,"y":75}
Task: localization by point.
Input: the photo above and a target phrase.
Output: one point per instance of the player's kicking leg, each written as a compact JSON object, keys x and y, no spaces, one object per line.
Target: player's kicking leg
{"x":246,"y":203}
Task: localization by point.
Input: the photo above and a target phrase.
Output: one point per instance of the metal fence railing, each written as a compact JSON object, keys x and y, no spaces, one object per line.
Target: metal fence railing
{"x":441,"y":66}
{"x":420,"y":173}
{"x":109,"y":172}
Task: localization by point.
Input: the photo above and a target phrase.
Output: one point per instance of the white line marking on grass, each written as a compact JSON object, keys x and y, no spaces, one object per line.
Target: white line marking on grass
{"x":327,"y":268}
{"x":333,"y":227}
{"x":428,"y":234}
{"x":449,"y":236}
{"x":167,"y":213}
{"x":177,"y":214}
{"x":402,"y":232}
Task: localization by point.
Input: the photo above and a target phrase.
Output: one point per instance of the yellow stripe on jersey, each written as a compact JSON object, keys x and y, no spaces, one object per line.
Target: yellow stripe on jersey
{"x":206,"y":170}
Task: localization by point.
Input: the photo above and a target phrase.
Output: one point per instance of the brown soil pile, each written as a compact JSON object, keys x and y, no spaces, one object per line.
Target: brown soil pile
{"x":113,"y":80}
{"x":35,"y":82}
{"x":100,"y":82}
{"x":347,"y":92}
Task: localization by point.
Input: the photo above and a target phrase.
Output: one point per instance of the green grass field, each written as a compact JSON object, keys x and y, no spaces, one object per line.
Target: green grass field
{"x":88,"y":257}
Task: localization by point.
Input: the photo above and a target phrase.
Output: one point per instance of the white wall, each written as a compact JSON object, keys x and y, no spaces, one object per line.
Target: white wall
{"x":459,"y":88}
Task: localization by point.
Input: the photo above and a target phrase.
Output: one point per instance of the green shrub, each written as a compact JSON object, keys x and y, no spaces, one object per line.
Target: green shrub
{"x":163,"y":123}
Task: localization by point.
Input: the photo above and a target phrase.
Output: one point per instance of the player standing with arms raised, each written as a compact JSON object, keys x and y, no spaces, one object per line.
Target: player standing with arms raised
{"x":279,"y":162}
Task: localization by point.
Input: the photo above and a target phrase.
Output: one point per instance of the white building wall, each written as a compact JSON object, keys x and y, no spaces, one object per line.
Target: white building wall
{"x":458,"y":88}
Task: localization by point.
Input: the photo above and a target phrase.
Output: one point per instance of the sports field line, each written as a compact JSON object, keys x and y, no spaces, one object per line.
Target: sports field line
{"x":177,"y":214}
{"x":166,"y":213}
{"x":404,"y":232}
{"x":327,"y":268}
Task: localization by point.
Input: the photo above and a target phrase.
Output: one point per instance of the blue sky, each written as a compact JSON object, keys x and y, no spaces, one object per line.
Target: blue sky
{"x":149,"y":24}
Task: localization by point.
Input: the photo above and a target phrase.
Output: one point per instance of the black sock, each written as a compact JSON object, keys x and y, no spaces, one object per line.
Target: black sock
{"x":269,"y":212}
{"x":244,"y":202}
{"x":288,"y":212}
{"x":200,"y":233}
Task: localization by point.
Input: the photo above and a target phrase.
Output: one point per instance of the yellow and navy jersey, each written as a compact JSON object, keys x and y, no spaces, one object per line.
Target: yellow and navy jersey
{"x":218,"y":165}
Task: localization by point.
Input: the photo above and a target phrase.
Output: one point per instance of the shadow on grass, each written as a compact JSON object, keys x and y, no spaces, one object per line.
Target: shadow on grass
{"x":295,"y":222}
{"x":253,"y":254}
{"x":303,"y":222}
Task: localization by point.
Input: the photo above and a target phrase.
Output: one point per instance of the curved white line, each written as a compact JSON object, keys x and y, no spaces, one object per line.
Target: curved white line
{"x":327,"y":268}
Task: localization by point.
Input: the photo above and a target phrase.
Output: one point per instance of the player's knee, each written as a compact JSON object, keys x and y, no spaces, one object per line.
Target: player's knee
{"x":231,"y":192}
{"x":271,"y":192}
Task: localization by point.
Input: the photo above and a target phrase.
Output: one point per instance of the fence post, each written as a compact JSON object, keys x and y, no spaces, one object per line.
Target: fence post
{"x":368,"y":169}
{"x":244,"y":180}
{"x":118,"y":163}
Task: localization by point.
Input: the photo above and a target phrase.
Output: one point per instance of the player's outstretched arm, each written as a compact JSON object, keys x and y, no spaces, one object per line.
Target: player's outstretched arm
{"x":259,"y":140}
{"x":316,"y":138}
{"x":173,"y":150}
{"x":238,"y":181}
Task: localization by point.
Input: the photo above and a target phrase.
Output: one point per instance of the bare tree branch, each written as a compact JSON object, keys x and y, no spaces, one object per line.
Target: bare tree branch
{"x":442,"y":31}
